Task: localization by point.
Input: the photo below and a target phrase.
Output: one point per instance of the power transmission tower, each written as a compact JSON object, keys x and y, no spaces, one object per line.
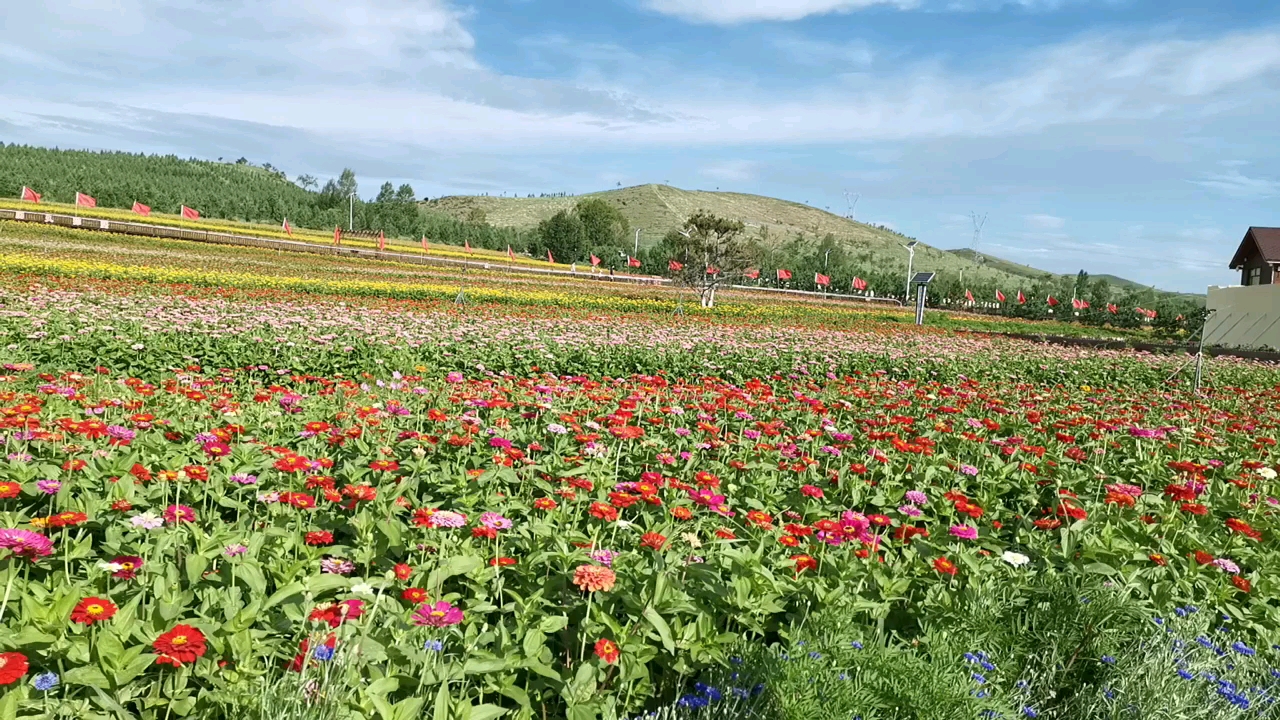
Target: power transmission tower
{"x":851,"y":199}
{"x":978,"y":222}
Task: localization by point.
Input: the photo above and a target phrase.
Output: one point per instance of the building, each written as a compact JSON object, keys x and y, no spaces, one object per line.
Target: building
{"x":1248,"y":315}
{"x":1258,"y":257}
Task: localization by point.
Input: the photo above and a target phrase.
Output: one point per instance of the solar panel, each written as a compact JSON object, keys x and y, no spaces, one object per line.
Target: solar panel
{"x":922,"y":278}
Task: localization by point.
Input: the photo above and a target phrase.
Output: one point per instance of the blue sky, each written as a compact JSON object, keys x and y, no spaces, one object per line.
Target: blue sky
{"x":1136,"y":137}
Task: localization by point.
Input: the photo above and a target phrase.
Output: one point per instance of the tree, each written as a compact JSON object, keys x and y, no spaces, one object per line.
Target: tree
{"x":604,"y":227}
{"x":563,"y":235}
{"x":477,"y":216}
{"x":347,"y":182}
{"x":307,"y":182}
{"x":404,"y":194}
{"x":712,"y":252}
{"x":386,"y":193}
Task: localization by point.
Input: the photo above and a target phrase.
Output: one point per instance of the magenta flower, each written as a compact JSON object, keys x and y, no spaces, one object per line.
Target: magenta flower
{"x":968,"y":470}
{"x":494,"y":521}
{"x":442,"y":614}
{"x":49,"y":487}
{"x":175,"y":514}
{"x":964,"y":532}
{"x":915,"y":497}
{"x":24,"y":543}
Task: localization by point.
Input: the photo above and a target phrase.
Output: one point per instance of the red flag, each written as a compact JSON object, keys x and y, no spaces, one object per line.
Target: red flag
{"x":784,"y":274}
{"x":751,"y":273}
{"x":425,"y":248}
{"x":190,"y":214}
{"x":141,"y":209}
{"x":820,"y":279}
{"x":968,"y":296}
{"x":549,"y":258}
{"x":713,"y":270}
{"x":511,"y":254}
{"x":1022,"y":299}
{"x":633,"y":262}
{"x":1111,"y":308}
{"x":594,"y":260}
{"x":85,"y":201}
{"x":999,"y":296}
{"x":382,"y":241}
{"x":467,"y":245}
{"x":30,"y":195}
{"x":1053,"y":301}
{"x":859,"y":284}
{"x":288,"y":229}
{"x":674,"y":266}
{"x":337,"y":236}
{"x":1075,"y":303}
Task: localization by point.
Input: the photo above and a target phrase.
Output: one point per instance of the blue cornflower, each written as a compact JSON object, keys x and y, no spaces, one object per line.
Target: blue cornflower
{"x":740,"y":693}
{"x":1275,"y":673}
{"x":1111,"y":694}
{"x":433,"y":645}
{"x":1204,"y":641}
{"x":693,"y":701}
{"x":45,"y":681}
{"x":785,"y":656}
{"x":844,"y":676}
{"x":1159,"y":621}
{"x":856,"y":645}
{"x":1085,"y":600}
{"x":713,"y":694}
{"x":322,"y":653}
{"x":735,"y":660}
{"x":1243,"y":649}
{"x":814,"y":654}
{"x":978,"y":678}
{"x":701,"y":687}
{"x":988,"y":666}
{"x":1185,"y":674}
{"x":1030,"y":712}
{"x":759,"y":688}
{"x":1180,"y":612}
{"x":1193,"y":609}
{"x":1022,"y":684}
{"x":1108,"y":660}
{"x":971,"y":657}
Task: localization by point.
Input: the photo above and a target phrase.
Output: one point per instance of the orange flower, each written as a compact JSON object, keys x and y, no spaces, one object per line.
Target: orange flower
{"x":944,"y":566}
{"x":594,"y":578}
{"x":181,"y":645}
{"x":804,"y":562}
{"x":607,"y":650}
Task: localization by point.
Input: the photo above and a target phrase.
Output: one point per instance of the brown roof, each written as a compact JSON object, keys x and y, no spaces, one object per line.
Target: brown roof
{"x":1265,"y":241}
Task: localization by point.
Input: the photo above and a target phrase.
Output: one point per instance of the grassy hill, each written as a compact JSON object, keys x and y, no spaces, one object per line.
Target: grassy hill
{"x":1027,"y":271}
{"x":657,"y":209}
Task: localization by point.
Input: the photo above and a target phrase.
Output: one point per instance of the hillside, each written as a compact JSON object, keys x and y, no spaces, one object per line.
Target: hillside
{"x":1013,"y":268}
{"x":657,"y":209}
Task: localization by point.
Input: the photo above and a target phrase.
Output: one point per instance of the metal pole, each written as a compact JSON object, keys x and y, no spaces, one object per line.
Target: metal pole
{"x":1200,"y":351}
{"x":921,"y":289}
{"x":637,"y":248}
{"x":351,"y":212}
{"x":911,"y":256}
{"x":825,"y":259}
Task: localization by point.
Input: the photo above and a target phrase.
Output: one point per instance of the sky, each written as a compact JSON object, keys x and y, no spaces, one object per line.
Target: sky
{"x":1134,"y":137}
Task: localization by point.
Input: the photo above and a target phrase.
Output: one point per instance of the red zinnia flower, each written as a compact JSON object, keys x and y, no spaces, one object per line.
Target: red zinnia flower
{"x":319,"y":537}
{"x":384,"y":465}
{"x":944,"y":566}
{"x":608,"y":513}
{"x":804,"y":562}
{"x":607,"y":650}
{"x":9,"y":489}
{"x":13,"y":665}
{"x":681,"y":513}
{"x":1241,"y":583}
{"x":402,"y":571}
{"x":93,"y":609}
{"x":502,"y":562}
{"x":545,"y":503}
{"x":1158,"y":559}
{"x":1242,"y":527}
{"x":653,"y":540}
{"x":1203,"y":557}
{"x":175,"y":514}
{"x":416,"y":596}
{"x":181,"y":645}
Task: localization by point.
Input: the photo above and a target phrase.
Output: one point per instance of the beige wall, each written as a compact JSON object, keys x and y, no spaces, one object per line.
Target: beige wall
{"x":1245,"y":317}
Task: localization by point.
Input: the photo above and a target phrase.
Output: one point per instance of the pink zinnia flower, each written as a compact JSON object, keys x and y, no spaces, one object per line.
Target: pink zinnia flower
{"x":24,"y":543}
{"x":964,"y":532}
{"x":442,"y":614}
{"x":175,"y":514}
{"x":910,"y":511}
{"x":495,"y":521}
{"x":915,"y":497}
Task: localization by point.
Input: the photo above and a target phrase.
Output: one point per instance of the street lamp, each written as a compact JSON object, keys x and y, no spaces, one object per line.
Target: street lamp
{"x":825,"y":258}
{"x":351,"y":212}
{"x":911,"y":256}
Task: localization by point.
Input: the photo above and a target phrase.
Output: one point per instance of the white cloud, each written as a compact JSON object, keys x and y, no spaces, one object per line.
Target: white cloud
{"x":732,"y":170}
{"x":817,"y":53}
{"x":728,"y":12}
{"x":1235,"y":184}
{"x":1045,"y":222}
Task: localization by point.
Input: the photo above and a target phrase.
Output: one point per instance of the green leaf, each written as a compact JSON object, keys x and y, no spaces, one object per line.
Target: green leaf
{"x":9,"y":703}
{"x":554,"y":623}
{"x":321,"y":584}
{"x":534,"y":641}
{"x":476,"y":666}
{"x":251,"y":575}
{"x":456,"y":565}
{"x":109,"y":649}
{"x":284,"y":593}
{"x":86,"y":675}
{"x":660,"y":625}
{"x":484,"y":712}
{"x":442,"y":703}
{"x":195,"y":566}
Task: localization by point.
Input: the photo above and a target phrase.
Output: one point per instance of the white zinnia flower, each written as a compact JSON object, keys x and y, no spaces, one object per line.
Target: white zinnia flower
{"x":1015,"y":559}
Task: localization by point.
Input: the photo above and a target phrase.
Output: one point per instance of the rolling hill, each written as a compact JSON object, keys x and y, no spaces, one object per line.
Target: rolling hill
{"x":657,"y":209}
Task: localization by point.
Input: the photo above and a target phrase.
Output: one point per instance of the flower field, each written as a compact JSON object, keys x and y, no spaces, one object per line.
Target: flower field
{"x":403,"y":508}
